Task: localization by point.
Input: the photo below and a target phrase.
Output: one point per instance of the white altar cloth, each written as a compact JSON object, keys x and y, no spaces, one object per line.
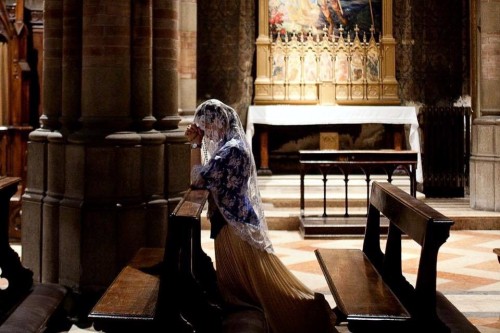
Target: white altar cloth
{"x":283,"y":115}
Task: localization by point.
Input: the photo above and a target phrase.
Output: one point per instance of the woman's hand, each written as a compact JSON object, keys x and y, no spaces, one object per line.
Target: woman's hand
{"x":194,"y":133}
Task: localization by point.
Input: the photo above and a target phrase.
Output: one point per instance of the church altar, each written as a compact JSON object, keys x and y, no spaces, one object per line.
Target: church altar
{"x":285,"y":115}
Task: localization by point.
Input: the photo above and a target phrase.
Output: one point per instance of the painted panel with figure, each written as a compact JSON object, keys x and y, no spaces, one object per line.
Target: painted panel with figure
{"x":316,"y":16}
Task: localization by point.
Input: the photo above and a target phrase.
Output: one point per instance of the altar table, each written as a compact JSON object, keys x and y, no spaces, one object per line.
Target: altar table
{"x":286,"y":115}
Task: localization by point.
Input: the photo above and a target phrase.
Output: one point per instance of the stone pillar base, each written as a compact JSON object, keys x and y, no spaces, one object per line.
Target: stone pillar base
{"x":485,"y":164}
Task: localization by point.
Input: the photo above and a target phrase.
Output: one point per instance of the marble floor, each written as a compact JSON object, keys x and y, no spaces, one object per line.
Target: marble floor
{"x":468,"y":270}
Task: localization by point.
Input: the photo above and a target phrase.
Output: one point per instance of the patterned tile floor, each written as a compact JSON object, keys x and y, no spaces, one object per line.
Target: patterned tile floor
{"x":468,"y":270}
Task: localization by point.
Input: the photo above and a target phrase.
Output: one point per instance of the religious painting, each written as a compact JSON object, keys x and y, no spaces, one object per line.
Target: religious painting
{"x":319,"y":16}
{"x":372,"y":65}
{"x":357,"y":68}
{"x":326,"y":65}
{"x":326,"y":51}
{"x":279,"y":66}
{"x":294,"y":67}
{"x":341,"y":67}
{"x":310,"y":67}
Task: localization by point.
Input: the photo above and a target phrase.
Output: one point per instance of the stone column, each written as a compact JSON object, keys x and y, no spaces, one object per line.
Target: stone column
{"x":142,"y":66}
{"x":485,"y":150}
{"x":97,"y":183}
{"x":166,"y":99}
{"x":38,"y":161}
{"x":52,"y":64}
{"x":165,"y":71}
{"x":70,"y":110}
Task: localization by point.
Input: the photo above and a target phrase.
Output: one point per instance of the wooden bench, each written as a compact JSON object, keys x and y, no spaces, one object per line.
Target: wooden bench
{"x":368,"y":285}
{"x":347,"y":162}
{"x":172,"y":289}
{"x":25,"y":306}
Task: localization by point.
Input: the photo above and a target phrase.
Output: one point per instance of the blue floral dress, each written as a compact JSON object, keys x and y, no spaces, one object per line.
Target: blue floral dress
{"x":226,"y":176}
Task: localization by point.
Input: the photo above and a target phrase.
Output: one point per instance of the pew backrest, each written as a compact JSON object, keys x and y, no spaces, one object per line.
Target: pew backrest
{"x":412,"y":218}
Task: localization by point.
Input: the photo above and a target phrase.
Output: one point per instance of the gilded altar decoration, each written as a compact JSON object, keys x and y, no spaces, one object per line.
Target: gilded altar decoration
{"x":325,"y":52}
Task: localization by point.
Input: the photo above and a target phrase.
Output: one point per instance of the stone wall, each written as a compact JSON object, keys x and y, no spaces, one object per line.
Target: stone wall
{"x":432,"y":52}
{"x":226,"y":45}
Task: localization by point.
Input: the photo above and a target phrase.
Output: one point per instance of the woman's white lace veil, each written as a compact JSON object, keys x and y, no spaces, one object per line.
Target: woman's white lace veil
{"x":221,"y":124}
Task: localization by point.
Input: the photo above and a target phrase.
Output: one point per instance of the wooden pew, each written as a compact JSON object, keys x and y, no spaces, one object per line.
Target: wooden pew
{"x":172,"y":289}
{"x":25,"y":306}
{"x":368,"y":285}
{"x":132,"y":301}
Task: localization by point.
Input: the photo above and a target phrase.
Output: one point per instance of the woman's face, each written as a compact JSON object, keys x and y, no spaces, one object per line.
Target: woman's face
{"x":213,"y":119}
{"x":211,"y":131}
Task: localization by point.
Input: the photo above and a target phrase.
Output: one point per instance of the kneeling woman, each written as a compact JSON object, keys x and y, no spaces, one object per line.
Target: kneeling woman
{"x":249,"y":274}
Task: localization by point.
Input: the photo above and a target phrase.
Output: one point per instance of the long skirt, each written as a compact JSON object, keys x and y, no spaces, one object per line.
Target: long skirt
{"x":250,"y":277}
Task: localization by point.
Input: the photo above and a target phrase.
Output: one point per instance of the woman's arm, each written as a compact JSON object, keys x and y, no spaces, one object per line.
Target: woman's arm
{"x":195,"y":137}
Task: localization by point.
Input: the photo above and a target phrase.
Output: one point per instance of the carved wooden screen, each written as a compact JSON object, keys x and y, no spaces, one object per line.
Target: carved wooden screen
{"x":298,"y":62}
